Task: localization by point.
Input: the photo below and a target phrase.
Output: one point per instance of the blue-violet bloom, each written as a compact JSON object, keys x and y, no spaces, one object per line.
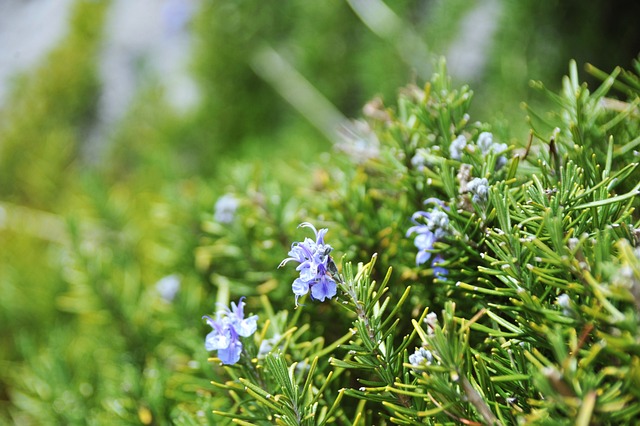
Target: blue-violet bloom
{"x":457,"y":146}
{"x":479,"y":189}
{"x":421,"y":356}
{"x":487,"y":146}
{"x":436,"y":226}
{"x":228,"y":326}
{"x":225,"y":209}
{"x":316,"y":266}
{"x":485,"y":142}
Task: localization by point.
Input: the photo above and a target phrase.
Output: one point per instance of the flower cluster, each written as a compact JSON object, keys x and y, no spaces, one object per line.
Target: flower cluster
{"x":438,"y":270}
{"x":484,"y":142}
{"x":421,"y":356}
{"x":228,"y":326}
{"x":488,"y":146}
{"x":436,"y":227}
{"x":479,"y":189}
{"x":456,"y":147}
{"x":316,"y":266}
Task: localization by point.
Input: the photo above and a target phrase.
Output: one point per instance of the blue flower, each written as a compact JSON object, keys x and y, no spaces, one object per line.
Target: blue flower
{"x":225,"y":209}
{"x":419,"y":160}
{"x":487,"y":146}
{"x":485,"y":142}
{"x":315,"y":266}
{"x":434,"y":226}
{"x":175,"y":16}
{"x":424,"y":243}
{"x":479,"y":189}
{"x":168,"y":287}
{"x":457,"y":146}
{"x":228,"y":327}
{"x":421,"y":356}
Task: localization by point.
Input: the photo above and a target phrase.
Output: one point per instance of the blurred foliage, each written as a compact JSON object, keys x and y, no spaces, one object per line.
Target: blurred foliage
{"x":90,"y":339}
{"x":324,"y":41}
{"x":536,"y":39}
{"x":42,"y":129}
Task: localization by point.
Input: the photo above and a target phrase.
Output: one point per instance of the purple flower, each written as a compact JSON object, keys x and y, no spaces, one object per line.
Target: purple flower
{"x":315,"y":266}
{"x":175,"y":15}
{"x":228,"y":326}
{"x":433,"y":226}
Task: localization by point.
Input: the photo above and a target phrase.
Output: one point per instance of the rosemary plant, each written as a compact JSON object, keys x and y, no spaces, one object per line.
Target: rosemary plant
{"x":503,"y":280}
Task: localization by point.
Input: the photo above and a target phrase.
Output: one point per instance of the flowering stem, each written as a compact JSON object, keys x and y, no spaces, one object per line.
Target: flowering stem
{"x":349,"y":287}
{"x":349,"y":290}
{"x":365,"y":320}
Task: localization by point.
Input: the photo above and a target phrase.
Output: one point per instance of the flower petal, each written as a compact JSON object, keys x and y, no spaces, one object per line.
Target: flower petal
{"x":231,"y":354}
{"x":425,"y":241}
{"x":422,"y":257}
{"x":216,"y":341}
{"x":247,"y":326}
{"x":324,"y":288}
{"x":300,"y":287}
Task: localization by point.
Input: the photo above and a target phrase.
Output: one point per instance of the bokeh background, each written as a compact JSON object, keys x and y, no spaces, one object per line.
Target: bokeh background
{"x":122,"y":122}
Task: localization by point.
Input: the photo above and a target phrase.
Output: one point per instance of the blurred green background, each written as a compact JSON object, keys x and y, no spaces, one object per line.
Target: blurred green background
{"x":116,"y":142}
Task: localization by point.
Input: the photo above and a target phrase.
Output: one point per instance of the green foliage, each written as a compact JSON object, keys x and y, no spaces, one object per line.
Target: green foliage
{"x":535,"y":320}
{"x":41,"y":131}
{"x":544,"y":327}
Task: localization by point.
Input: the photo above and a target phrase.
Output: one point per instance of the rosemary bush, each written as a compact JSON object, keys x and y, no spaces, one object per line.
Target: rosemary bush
{"x":445,"y":272}
{"x":454,"y":277}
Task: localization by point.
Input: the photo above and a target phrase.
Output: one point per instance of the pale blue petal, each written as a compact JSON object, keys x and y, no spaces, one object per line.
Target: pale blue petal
{"x":231,"y":354}
{"x":325,"y":288}
{"x":422,"y":257}
{"x":300,"y":287}
{"x":215,"y":341}
{"x":248,"y":326}
{"x":425,"y":241}
{"x":320,"y":235}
